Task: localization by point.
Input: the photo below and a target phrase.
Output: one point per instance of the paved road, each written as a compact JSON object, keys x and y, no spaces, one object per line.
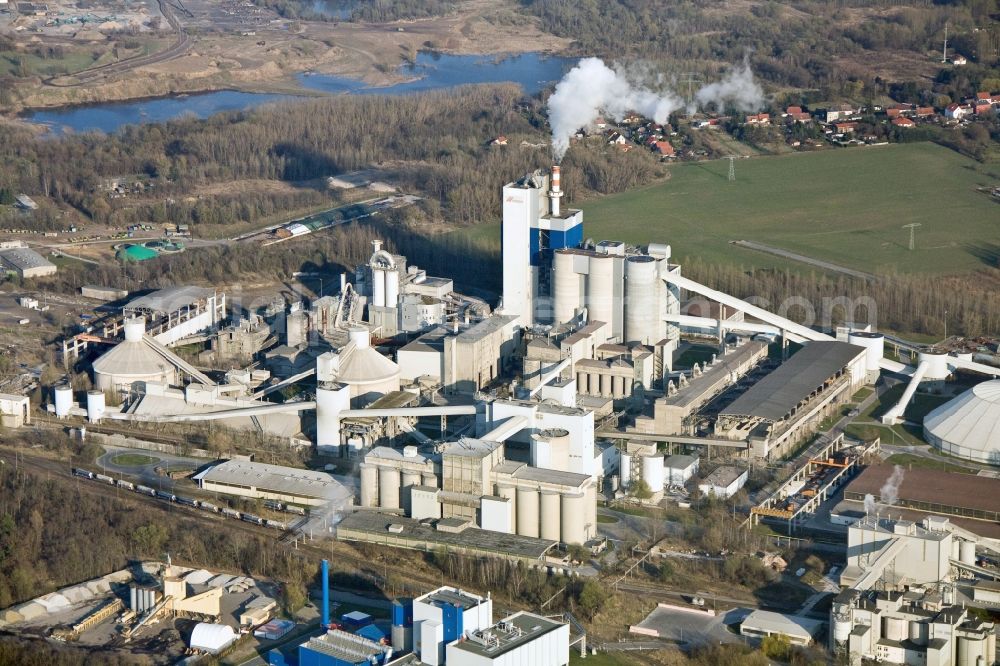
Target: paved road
{"x":819,"y":263}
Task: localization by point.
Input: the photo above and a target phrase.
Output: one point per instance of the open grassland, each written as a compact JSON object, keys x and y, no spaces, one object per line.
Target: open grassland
{"x":844,"y":206}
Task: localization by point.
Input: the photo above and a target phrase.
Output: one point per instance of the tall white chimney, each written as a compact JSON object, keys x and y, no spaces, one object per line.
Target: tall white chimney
{"x":555,"y":193}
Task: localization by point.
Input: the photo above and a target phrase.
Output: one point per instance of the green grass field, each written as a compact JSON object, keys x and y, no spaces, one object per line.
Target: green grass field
{"x":133,"y":459}
{"x":846,"y":206}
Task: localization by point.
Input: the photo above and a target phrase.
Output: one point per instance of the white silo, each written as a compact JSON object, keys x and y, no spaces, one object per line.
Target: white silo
{"x":625,"y":470}
{"x":378,"y":287}
{"x":601,"y":289}
{"x":527,"y":512}
{"x":574,"y":517}
{"x":429,"y":479}
{"x":967,"y":552}
{"x":327,"y":366}
{"x":368,"y":373}
{"x":641,"y":308}
{"x":411,"y":478}
{"x":937,"y":363}
{"x":652,"y":472}
{"x":135,"y":328}
{"x":550,"y":515}
{"x":63,"y":400}
{"x":331,"y":399}
{"x":566,"y":286}
{"x":550,"y":449}
{"x":591,"y":505}
{"x":388,"y":488}
{"x":874,"y":344}
{"x":95,"y":406}
{"x":369,"y":485}
{"x":391,"y":287}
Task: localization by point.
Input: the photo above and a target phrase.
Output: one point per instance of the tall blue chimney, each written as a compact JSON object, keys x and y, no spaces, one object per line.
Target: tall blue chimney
{"x":326,"y":595}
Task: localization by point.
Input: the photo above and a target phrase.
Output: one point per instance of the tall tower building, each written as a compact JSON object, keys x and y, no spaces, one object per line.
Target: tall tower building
{"x":534,"y":226}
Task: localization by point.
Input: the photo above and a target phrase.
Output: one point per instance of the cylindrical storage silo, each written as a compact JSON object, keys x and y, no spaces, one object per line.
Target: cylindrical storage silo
{"x":331,"y":399}
{"x":971,"y":652}
{"x":391,"y":288}
{"x":615,"y":481}
{"x":369,"y":484}
{"x":967,"y":552}
{"x":601,"y":290}
{"x":550,"y":515}
{"x":874,"y":344}
{"x":591,"y":504}
{"x":411,"y":478}
{"x":895,"y":628}
{"x":135,"y":328}
{"x":641,"y":308}
{"x":527,"y":512}
{"x":378,"y":287}
{"x":841,"y":628}
{"x":918,"y":632}
{"x":509,"y":493}
{"x":625,"y":469}
{"x":429,"y":479}
{"x":95,"y":406}
{"x":652,"y":472}
{"x":63,"y":400}
{"x":606,"y":386}
{"x":937,"y":365}
{"x":133,"y":598}
{"x":618,"y":388}
{"x":388,"y":488}
{"x":550,"y":449}
{"x":574,"y":516}
{"x":956,"y":549}
{"x":402,"y":638}
{"x":566,"y":286}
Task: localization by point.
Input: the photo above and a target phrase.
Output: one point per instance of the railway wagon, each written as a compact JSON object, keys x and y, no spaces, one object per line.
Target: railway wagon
{"x":145,"y":490}
{"x":82,"y":472}
{"x":169,"y":497}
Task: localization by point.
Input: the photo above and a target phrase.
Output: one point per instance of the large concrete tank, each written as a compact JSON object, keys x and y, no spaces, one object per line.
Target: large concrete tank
{"x":388,"y":488}
{"x":63,"y":400}
{"x":550,"y":515}
{"x":369,"y":485}
{"x":841,"y":628}
{"x":591,"y":505}
{"x":967,"y":552}
{"x":411,"y":478}
{"x":601,"y":289}
{"x":509,"y":493}
{"x":429,"y":479}
{"x":566,"y":286}
{"x":874,"y":344}
{"x":971,"y":652}
{"x":331,"y":399}
{"x":937,"y":365}
{"x":956,"y":546}
{"x":895,"y":628}
{"x":574,"y":517}
{"x":378,"y":287}
{"x":95,"y":406}
{"x":550,"y":449}
{"x":652,"y":472}
{"x":391,"y":288}
{"x":527,"y":512}
{"x":918,"y":632}
{"x":135,"y":328}
{"x":641,"y":308}
{"x":606,"y":386}
{"x":625,"y":469}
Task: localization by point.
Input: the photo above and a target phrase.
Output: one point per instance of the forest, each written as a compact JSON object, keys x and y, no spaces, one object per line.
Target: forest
{"x":436,"y":145}
{"x":369,"y":11}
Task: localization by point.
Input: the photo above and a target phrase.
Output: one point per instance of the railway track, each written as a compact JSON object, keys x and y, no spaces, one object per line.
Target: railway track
{"x":179,"y":47}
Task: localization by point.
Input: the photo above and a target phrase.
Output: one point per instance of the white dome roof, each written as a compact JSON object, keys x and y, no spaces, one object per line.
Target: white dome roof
{"x":969,"y":425}
{"x":364,"y":365}
{"x":212,"y":637}
{"x":132,"y":359}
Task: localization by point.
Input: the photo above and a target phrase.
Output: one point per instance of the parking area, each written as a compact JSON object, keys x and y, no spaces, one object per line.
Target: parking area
{"x":691,"y":627}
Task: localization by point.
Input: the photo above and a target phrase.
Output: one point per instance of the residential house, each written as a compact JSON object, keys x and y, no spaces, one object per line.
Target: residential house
{"x":839,"y":112}
{"x":983,"y":95}
{"x":663,"y":149}
{"x":924,"y":111}
{"x":616,"y":139}
{"x":793,"y":110}
{"x":903,"y":122}
{"x":957,"y":111}
{"x":499,"y":141}
{"x":845,"y":128}
{"x":759,"y":119}
{"x":983,"y":107}
{"x":959,"y":59}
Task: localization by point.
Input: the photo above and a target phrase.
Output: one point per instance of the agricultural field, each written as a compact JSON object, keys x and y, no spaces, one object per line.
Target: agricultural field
{"x":845,"y":206}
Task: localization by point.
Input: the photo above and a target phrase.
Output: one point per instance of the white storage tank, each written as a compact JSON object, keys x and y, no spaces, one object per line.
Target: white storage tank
{"x":509,"y":493}
{"x":550,"y":449}
{"x":369,"y":485}
{"x":378,"y":287}
{"x":368,"y":373}
{"x":641,"y":308}
{"x":429,"y":479}
{"x":601,"y":289}
{"x":95,"y":406}
{"x":841,"y":628}
{"x":874,"y":344}
{"x":63,"y":400}
{"x":895,"y":628}
{"x":652,"y":472}
{"x":574,"y":517}
{"x":550,"y":515}
{"x":967,"y":552}
{"x":388,"y":488}
{"x":625,"y":469}
{"x":527,"y":512}
{"x":918,"y":632}
{"x":331,"y":399}
{"x":956,"y":552}
{"x":566,"y":286}
{"x":391,"y":288}
{"x":937,"y":365}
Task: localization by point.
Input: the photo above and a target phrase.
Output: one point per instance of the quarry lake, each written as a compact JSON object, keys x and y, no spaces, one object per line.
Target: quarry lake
{"x":431,"y":71}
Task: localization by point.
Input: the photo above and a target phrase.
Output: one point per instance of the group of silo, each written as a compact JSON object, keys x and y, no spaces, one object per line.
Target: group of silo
{"x":552,"y":514}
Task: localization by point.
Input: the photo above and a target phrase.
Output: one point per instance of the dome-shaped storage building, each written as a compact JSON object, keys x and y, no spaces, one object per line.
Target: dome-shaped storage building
{"x":132,"y":361}
{"x":369,"y":374}
{"x":969,"y":425}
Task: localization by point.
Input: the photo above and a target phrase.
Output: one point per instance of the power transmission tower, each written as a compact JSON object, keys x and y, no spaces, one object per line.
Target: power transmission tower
{"x":732,"y":167}
{"x":691,"y":78}
{"x":913,"y":233}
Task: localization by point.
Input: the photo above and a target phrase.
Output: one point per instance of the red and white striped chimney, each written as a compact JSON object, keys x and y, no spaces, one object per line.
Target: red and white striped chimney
{"x":555,"y":193}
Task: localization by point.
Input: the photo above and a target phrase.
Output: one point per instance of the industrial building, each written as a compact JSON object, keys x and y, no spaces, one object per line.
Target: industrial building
{"x":723,"y":482}
{"x":285,"y":484}
{"x":799,"y":630}
{"x":15,"y":410}
{"x":969,"y":425}
{"x":521,"y":638}
{"x":25,"y":263}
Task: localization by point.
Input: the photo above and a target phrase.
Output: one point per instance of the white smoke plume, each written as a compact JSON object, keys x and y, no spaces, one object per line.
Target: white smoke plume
{"x":592,"y":88}
{"x":869,"y":504}
{"x":889,"y":492}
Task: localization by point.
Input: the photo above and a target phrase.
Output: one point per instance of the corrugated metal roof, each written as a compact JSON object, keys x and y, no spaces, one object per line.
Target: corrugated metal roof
{"x":971,"y":421}
{"x":275,"y":478}
{"x":170,"y":299}
{"x":777,"y":394}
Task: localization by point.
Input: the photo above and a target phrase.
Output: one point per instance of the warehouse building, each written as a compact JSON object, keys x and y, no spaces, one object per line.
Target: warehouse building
{"x":723,"y":482}
{"x":968,"y":426}
{"x":776,"y":413}
{"x":15,"y":410}
{"x":444,"y":616}
{"x":284,"y":484}
{"x":26,"y":263}
{"x":799,"y":630}
{"x":341,"y":648}
{"x":175,"y":313}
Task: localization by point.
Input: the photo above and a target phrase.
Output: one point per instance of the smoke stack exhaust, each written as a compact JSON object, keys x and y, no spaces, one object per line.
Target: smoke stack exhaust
{"x":555,"y":193}
{"x":326,"y":595}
